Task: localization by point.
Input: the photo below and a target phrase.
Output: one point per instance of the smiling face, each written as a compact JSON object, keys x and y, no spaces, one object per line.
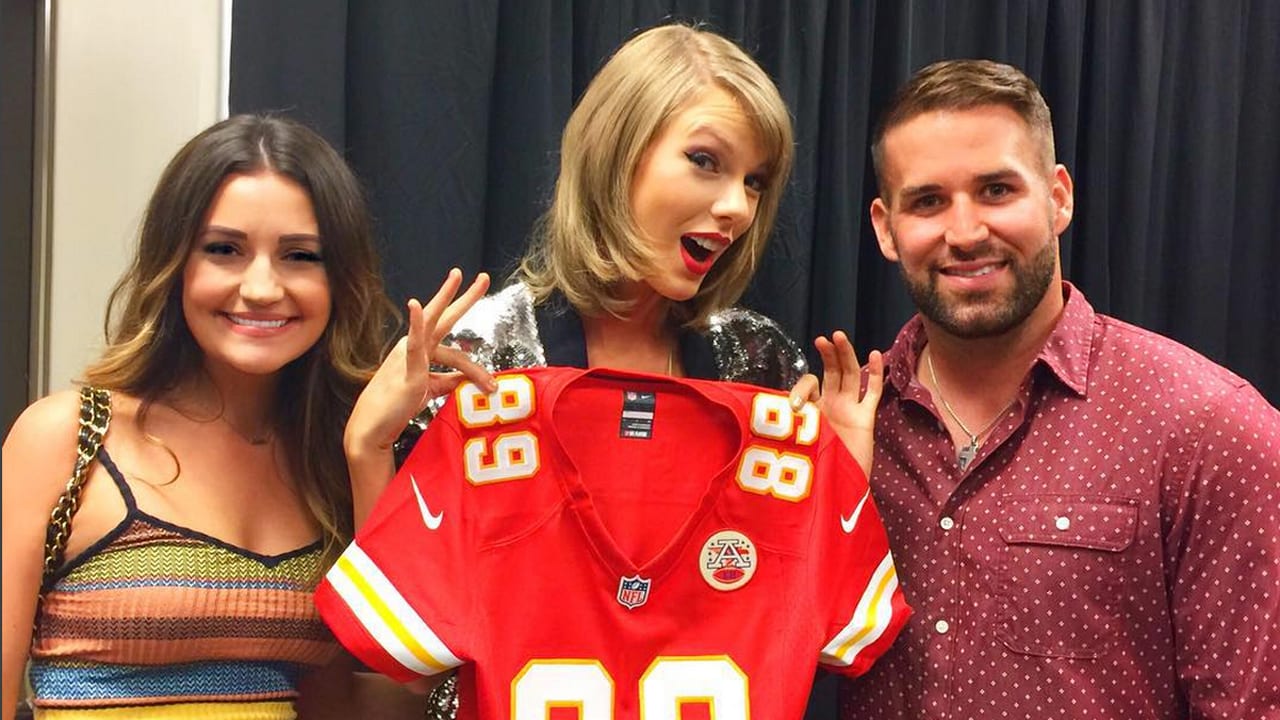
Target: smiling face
{"x":696,"y":190}
{"x":972,"y":216}
{"x":255,"y":293}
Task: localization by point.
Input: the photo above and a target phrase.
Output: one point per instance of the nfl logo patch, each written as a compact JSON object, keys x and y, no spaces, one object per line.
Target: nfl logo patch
{"x":633,"y":591}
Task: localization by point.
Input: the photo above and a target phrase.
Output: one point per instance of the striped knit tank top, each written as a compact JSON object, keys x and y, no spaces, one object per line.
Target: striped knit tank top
{"x":159,"y":621}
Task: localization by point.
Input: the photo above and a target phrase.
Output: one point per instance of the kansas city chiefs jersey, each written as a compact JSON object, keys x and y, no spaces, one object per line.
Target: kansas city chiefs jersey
{"x":594,"y":544}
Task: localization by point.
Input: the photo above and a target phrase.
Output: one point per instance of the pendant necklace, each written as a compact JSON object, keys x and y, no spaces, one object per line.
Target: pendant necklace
{"x":261,"y":438}
{"x":257,"y":439}
{"x":967,"y":453}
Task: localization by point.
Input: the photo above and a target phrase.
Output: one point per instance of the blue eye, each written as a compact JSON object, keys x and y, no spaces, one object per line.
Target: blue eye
{"x":704,"y":160}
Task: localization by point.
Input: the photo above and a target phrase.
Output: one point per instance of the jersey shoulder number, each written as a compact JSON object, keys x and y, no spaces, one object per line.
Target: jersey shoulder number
{"x":491,"y":455}
{"x":775,"y":468}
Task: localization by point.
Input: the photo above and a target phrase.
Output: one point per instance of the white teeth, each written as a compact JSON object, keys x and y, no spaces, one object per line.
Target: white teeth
{"x":705,"y":243}
{"x":247,"y":322}
{"x":984,"y":270}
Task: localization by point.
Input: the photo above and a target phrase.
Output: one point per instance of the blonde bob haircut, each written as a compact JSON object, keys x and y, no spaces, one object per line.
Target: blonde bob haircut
{"x":588,"y":245}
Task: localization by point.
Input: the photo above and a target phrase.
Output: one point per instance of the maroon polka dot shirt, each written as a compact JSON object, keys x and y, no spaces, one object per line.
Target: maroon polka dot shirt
{"x":1113,"y":551}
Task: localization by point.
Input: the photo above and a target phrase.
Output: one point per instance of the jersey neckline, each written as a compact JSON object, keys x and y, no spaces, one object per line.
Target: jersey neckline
{"x":578,"y":498}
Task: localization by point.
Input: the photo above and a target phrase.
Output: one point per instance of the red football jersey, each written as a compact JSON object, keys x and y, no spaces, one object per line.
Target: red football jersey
{"x":597,"y":544}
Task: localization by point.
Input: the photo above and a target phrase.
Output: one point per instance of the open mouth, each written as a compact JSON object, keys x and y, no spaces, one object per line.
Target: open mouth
{"x":975,"y":272}
{"x":700,"y":251}
{"x":973,"y":269}
{"x":250,"y":322}
{"x":700,"y":248}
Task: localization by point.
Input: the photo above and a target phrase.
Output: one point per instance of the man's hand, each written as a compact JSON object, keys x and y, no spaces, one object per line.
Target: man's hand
{"x":848,"y":407}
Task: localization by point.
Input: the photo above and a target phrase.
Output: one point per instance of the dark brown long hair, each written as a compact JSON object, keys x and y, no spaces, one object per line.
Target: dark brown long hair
{"x":150,"y":351}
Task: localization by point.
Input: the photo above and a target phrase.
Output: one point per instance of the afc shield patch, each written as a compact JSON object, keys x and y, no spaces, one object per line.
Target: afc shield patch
{"x":633,"y":591}
{"x":728,"y":560}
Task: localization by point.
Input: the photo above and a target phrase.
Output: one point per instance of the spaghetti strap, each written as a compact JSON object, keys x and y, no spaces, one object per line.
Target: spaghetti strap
{"x":130,"y":505}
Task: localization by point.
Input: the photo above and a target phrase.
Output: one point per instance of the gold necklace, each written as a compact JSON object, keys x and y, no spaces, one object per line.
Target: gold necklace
{"x":966,"y":454}
{"x":261,"y":438}
{"x":670,"y":363}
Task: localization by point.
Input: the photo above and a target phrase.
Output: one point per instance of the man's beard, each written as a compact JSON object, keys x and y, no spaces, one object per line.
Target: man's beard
{"x":980,"y":315}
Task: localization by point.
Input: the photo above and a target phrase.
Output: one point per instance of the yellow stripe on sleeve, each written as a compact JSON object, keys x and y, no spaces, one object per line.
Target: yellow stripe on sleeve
{"x":388,"y":617}
{"x":870,"y":618}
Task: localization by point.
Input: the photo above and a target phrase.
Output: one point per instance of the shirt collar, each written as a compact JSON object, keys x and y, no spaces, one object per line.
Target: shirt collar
{"x":565,"y":342}
{"x":560,"y":330}
{"x":1068,"y":351}
{"x":1066,"y":354}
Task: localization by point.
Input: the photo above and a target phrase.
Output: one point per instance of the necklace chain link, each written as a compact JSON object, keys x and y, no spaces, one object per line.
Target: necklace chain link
{"x":967,"y":453}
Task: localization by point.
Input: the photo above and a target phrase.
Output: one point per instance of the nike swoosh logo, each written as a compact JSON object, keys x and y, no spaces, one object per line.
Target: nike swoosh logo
{"x":846,"y":523}
{"x":432,"y":521}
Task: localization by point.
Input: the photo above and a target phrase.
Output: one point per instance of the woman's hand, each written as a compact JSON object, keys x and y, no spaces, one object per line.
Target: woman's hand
{"x":404,"y":384}
{"x":848,"y":408}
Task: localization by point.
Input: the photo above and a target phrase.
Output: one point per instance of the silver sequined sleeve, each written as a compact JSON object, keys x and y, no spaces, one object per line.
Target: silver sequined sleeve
{"x":499,"y":332}
{"x":751,"y":348}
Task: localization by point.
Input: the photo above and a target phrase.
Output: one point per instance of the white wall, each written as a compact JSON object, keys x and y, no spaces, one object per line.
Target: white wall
{"x":132,"y":81}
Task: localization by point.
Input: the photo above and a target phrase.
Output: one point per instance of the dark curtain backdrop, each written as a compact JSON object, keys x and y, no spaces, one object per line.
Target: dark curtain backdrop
{"x":1165,"y":113}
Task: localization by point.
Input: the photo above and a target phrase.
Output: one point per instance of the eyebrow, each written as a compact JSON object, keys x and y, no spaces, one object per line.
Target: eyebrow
{"x":765,"y":167}
{"x":914,"y":191}
{"x":706,"y":128}
{"x":219,"y":230}
{"x":997,"y":175}
{"x":241,"y":235}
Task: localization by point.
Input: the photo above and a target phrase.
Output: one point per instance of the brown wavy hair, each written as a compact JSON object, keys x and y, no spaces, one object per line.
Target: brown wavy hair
{"x":587,"y":243}
{"x":150,"y":351}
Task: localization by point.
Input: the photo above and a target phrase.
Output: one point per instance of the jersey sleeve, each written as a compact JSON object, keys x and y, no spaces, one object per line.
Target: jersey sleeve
{"x":866,"y":607}
{"x":398,"y":598}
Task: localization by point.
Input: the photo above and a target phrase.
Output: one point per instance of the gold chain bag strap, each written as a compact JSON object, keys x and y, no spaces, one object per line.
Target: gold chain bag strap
{"x":95,"y":418}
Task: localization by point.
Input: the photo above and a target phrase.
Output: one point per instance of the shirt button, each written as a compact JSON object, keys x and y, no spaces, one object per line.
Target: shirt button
{"x":1062,"y":522}
{"x":947,"y":523}
{"x":942,"y":626}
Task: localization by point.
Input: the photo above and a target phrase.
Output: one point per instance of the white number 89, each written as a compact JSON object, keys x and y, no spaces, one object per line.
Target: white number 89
{"x":666,"y":688}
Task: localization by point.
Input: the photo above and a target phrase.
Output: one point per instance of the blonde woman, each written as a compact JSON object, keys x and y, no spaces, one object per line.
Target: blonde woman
{"x":672,"y":167}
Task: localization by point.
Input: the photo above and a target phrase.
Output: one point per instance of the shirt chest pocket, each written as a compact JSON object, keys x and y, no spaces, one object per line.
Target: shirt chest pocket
{"x":1060,"y":580}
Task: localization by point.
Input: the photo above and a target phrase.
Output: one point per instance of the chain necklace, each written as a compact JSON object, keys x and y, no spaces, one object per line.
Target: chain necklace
{"x":261,"y":438}
{"x":966,"y":454}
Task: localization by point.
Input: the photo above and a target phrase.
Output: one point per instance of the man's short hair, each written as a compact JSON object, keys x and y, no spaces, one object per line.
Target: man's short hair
{"x":962,"y":85}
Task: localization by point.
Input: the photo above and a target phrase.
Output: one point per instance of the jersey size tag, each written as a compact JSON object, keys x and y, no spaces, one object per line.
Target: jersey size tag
{"x":637,"y":414}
